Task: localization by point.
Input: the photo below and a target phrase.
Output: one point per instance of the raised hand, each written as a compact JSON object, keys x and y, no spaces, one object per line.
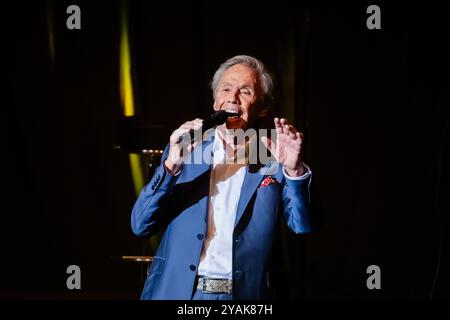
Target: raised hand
{"x":287,"y":147}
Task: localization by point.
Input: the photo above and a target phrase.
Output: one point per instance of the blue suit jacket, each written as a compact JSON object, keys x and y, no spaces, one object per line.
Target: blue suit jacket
{"x":179,"y":204}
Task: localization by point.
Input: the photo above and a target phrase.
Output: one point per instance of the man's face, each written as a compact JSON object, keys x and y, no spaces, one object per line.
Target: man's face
{"x":239,"y":91}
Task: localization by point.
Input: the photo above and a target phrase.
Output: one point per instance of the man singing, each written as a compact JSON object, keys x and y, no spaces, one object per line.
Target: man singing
{"x":219,"y":214}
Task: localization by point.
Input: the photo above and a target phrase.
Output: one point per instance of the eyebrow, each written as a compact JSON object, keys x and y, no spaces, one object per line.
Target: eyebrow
{"x":246,"y":86}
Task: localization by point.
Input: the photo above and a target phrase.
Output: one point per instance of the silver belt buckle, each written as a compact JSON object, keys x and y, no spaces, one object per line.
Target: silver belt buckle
{"x":203,"y":284}
{"x":210,"y":285}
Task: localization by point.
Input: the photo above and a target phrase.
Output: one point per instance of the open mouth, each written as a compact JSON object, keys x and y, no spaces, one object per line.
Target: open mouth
{"x":233,"y":113}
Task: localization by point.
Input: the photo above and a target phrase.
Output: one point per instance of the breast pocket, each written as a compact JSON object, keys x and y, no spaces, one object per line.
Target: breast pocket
{"x":269,"y":195}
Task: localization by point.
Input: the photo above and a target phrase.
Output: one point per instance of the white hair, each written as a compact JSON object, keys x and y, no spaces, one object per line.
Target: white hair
{"x":264,"y":75}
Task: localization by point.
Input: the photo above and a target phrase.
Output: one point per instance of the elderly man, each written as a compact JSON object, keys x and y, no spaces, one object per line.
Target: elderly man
{"x":220,"y":216}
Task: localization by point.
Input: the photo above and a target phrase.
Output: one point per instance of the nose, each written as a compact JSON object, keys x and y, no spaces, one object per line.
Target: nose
{"x":233,"y":97}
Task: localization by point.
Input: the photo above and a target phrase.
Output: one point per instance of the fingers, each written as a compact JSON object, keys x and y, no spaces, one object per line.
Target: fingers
{"x":278,"y":126}
{"x":269,"y":144}
{"x":181,"y":141}
{"x":300,"y":137}
{"x":283,"y":126}
{"x":185,"y":128}
{"x":194,"y":124}
{"x":290,"y":131}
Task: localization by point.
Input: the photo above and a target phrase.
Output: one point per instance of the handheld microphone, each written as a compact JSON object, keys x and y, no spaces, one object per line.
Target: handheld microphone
{"x":217,"y":118}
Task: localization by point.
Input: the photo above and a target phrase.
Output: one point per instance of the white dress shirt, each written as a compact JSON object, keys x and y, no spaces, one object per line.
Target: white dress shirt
{"x":224,"y":191}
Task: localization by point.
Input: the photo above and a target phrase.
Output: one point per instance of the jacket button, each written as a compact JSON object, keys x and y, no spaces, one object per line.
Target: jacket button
{"x":199,"y":236}
{"x":192,"y":267}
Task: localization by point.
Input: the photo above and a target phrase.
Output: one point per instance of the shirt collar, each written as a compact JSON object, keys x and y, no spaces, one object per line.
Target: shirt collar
{"x":219,"y":150}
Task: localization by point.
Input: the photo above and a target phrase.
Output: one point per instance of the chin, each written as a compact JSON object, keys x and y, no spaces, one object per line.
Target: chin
{"x":236,"y":124}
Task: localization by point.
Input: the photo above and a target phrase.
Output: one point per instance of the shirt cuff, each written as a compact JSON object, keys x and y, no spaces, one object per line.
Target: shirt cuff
{"x":174,"y":175}
{"x":303,"y":177}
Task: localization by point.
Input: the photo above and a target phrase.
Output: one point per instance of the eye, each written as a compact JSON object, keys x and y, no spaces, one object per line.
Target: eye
{"x":226,"y":89}
{"x":246,"y":92}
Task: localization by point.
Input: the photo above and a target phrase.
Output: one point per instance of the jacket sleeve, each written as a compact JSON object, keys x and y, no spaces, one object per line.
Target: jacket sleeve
{"x":148,"y":213}
{"x":296,"y":204}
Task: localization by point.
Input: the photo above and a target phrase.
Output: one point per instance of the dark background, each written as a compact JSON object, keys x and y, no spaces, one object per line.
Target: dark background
{"x":373,"y":104}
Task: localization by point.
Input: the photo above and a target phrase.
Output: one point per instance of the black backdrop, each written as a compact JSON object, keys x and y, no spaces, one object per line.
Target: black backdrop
{"x":373,"y":104}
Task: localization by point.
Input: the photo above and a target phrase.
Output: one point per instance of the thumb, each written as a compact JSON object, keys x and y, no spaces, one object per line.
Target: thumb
{"x":269,"y":144}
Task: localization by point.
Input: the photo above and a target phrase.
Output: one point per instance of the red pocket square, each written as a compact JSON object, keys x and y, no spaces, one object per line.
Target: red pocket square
{"x":267,"y":181}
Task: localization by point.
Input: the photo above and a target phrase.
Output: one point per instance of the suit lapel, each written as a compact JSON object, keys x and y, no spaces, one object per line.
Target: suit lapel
{"x":200,"y":160}
{"x":253,"y":177}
